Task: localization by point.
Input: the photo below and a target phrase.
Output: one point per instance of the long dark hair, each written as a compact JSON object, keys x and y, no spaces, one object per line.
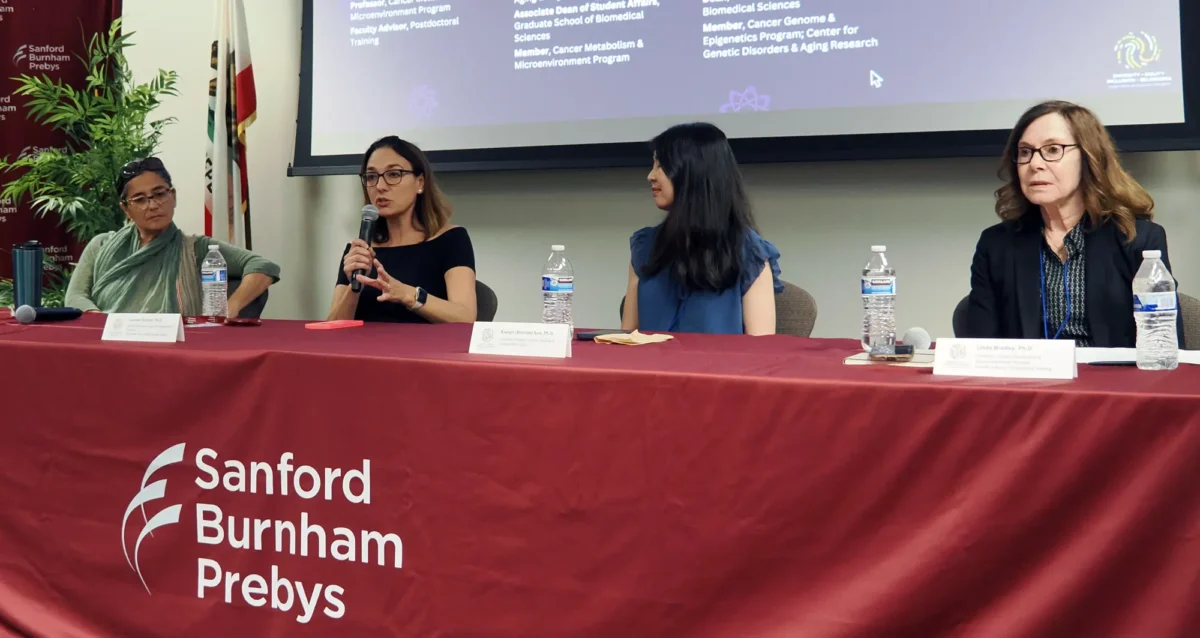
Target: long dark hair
{"x":701,"y":241}
{"x":431,"y":211}
{"x":1109,"y":191}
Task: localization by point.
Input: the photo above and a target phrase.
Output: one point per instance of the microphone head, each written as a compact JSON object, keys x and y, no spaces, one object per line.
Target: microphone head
{"x":918,"y":338}
{"x":370,"y":213}
{"x":25,"y":314}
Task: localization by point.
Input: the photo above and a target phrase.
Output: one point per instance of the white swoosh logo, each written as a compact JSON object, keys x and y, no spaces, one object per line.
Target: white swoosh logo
{"x":147,"y":493}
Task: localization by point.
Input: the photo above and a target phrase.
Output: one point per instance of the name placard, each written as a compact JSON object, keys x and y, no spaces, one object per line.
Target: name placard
{"x":143,"y":328}
{"x":1006,"y":358}
{"x":552,"y":340}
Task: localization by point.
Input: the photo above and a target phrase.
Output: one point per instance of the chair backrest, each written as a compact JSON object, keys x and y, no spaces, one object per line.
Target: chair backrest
{"x":1189,"y":316}
{"x":795,"y":311}
{"x":486,"y":302}
{"x":254,"y":309}
{"x":959,"y":320}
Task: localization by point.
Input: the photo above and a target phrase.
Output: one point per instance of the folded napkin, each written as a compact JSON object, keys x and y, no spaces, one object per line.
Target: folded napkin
{"x":634,"y":338}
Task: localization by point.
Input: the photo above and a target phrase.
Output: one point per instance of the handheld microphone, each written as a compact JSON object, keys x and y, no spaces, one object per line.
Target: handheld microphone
{"x":918,"y":338}
{"x":369,"y":214}
{"x":29,"y":314}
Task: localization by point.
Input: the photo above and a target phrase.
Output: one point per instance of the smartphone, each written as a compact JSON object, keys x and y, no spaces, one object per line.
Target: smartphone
{"x":590,"y":335}
{"x":897,"y":354}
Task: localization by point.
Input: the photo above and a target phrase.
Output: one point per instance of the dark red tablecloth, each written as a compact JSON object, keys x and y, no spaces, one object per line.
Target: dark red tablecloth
{"x":708,"y":486}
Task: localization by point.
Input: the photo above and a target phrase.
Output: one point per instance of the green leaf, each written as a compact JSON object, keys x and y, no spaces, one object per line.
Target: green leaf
{"x":107,"y":120}
{"x":6,"y":293}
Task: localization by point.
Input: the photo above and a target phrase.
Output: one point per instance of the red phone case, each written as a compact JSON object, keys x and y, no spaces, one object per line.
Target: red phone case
{"x":334,"y":325}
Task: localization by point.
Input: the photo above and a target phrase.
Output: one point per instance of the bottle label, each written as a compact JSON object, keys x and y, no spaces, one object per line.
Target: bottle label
{"x":1154,"y":302}
{"x":558,"y":284}
{"x":878,"y":286}
{"x":214,"y":276}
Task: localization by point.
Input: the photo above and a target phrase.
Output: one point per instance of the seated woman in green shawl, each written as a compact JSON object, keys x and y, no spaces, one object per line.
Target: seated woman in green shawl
{"x":150,"y":266}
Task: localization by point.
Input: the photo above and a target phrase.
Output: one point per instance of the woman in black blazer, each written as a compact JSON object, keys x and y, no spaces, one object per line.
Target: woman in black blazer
{"x":1061,"y":263}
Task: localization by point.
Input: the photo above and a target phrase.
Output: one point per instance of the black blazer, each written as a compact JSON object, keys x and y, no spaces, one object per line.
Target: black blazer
{"x":1006,"y":295}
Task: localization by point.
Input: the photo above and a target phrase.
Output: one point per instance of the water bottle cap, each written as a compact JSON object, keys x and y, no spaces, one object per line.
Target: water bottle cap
{"x":1151,"y":254}
{"x":214,"y":247}
{"x":558,"y":248}
{"x":879,"y":249}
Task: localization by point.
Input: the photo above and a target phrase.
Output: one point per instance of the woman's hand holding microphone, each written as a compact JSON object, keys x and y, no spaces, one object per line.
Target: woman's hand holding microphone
{"x":361,"y":258}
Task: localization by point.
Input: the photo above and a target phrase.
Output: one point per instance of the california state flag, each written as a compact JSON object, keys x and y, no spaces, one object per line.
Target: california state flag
{"x":231,"y":110}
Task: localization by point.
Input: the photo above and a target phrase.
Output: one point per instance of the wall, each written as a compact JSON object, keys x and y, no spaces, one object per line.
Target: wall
{"x":823,"y":217}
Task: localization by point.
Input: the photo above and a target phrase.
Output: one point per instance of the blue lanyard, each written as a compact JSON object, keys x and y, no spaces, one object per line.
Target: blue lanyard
{"x":1066,"y":287}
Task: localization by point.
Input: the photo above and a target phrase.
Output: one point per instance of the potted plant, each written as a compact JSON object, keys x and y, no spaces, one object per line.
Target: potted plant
{"x":106,"y":124}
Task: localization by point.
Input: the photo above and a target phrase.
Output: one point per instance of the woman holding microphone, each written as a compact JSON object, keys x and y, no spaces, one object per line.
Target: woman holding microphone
{"x":419,"y":268}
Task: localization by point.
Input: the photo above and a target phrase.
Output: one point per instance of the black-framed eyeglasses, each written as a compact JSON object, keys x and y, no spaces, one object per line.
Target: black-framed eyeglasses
{"x":158,"y":197}
{"x":1049,"y":152}
{"x":137,"y":167}
{"x":390,"y":177}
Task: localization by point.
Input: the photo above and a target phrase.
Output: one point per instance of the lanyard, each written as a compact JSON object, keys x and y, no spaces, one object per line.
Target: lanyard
{"x":1066,"y":287}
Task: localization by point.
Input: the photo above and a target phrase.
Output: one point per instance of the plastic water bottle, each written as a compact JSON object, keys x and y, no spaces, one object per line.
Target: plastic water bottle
{"x":558,"y":288}
{"x":214,"y":283}
{"x":1154,"y":310}
{"x":879,"y":301}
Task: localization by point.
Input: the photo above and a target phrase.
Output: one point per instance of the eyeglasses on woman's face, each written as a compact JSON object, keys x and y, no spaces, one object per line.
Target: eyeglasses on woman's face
{"x":156,"y":198}
{"x":391,"y":177}
{"x":1049,"y":152}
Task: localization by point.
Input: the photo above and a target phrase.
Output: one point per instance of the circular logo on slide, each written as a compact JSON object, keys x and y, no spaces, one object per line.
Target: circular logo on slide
{"x":422,"y":101}
{"x":748,"y":100}
{"x":1135,"y":52}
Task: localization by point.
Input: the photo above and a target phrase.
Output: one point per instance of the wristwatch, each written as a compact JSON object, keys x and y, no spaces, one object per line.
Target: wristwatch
{"x":421,"y":297}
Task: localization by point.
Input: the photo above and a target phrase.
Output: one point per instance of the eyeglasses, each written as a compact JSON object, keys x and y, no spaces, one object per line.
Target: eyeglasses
{"x":391,"y":177}
{"x":143,"y":202}
{"x":1049,"y":152}
{"x":137,"y":167}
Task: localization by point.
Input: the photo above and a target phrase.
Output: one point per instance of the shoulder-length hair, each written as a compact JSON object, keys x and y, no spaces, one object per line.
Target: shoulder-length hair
{"x":1109,"y":192}
{"x":431,"y":211}
{"x":701,"y":241}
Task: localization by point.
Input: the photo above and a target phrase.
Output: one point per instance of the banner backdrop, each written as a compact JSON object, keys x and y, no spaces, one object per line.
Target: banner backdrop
{"x":39,"y":38}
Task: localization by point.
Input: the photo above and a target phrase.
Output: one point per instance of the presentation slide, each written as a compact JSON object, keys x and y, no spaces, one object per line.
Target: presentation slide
{"x":463,"y":74}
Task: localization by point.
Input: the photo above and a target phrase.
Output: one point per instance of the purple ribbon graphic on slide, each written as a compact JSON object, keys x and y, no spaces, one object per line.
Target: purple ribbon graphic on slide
{"x":748,"y":100}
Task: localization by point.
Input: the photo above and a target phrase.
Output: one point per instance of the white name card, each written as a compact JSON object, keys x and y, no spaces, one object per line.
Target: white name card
{"x":143,"y":328}
{"x":521,"y":339}
{"x":1006,"y":358}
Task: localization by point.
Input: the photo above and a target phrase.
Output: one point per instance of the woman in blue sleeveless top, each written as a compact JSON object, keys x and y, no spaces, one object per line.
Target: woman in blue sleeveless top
{"x":704,"y":268}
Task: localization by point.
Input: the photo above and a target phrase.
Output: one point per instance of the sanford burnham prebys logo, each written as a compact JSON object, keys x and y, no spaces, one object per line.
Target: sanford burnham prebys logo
{"x":40,"y":57}
{"x":302,"y":541}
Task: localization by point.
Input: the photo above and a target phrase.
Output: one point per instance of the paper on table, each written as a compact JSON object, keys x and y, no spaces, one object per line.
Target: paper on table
{"x":634,"y":338}
{"x":921,"y":359}
{"x":1126,"y":355}
{"x":1106,"y":355}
